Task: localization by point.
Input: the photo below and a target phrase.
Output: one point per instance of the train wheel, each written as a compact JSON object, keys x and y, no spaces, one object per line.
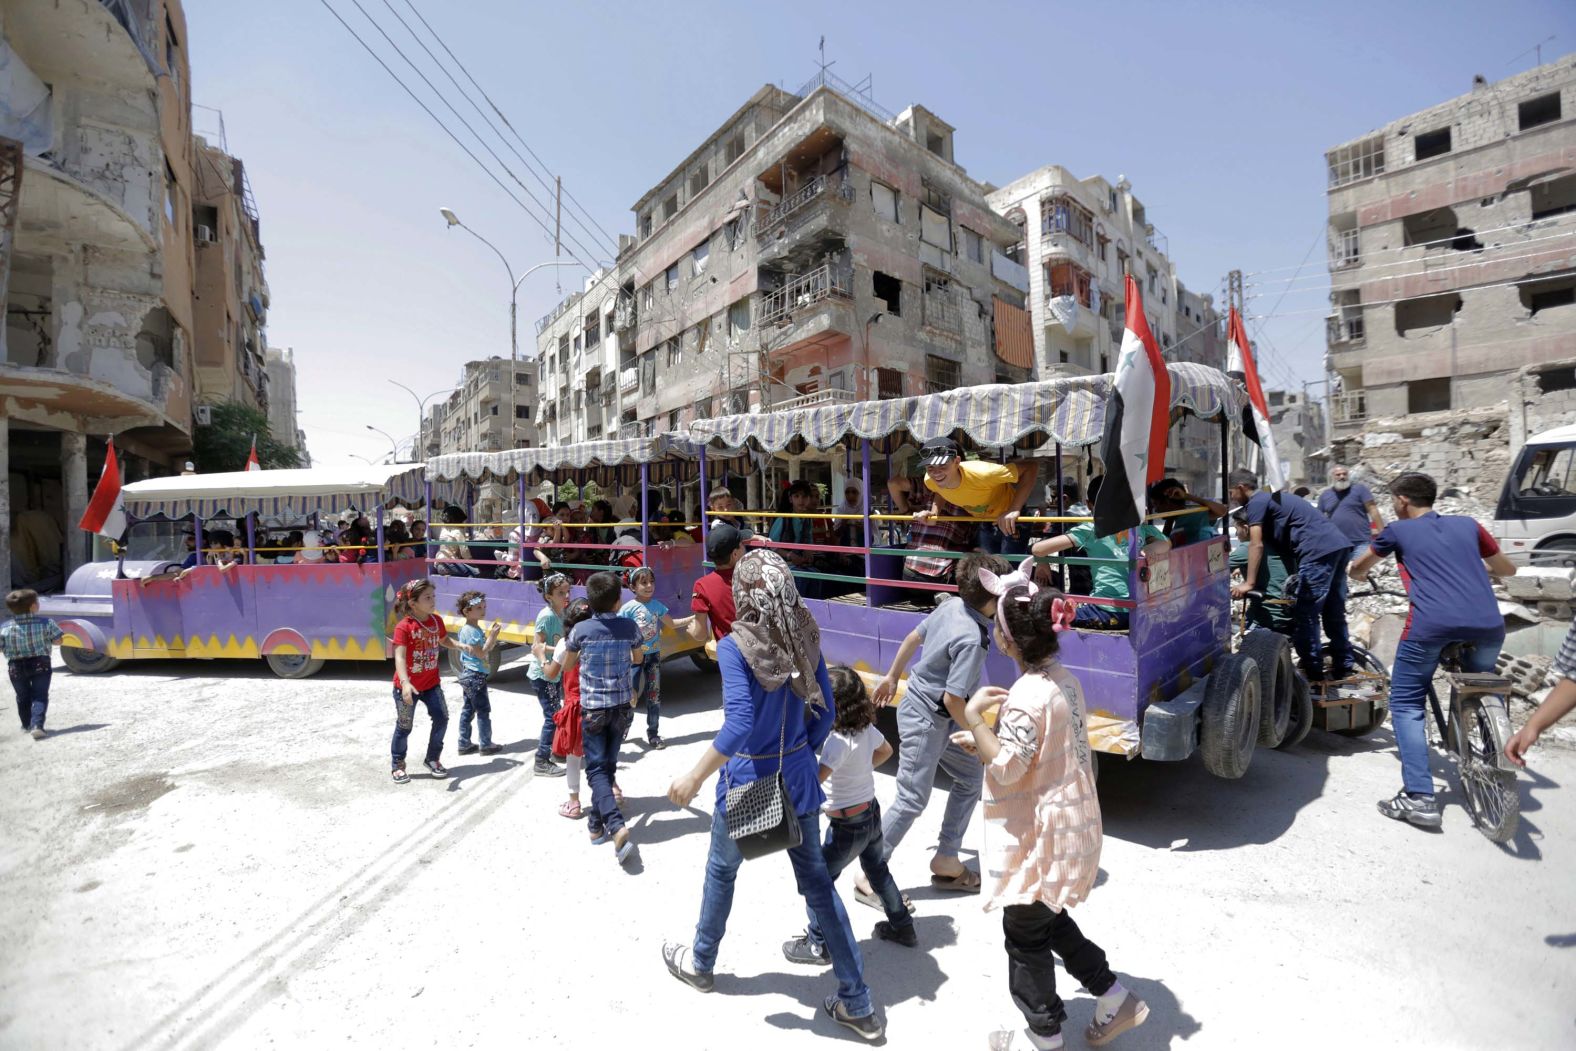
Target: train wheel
{"x":1231,"y":717}
{"x":87,"y":662}
{"x":293,"y":665}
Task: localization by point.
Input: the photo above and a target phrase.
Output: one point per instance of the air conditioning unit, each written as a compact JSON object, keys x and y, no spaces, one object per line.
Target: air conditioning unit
{"x":205,"y":235}
{"x":203,"y":414}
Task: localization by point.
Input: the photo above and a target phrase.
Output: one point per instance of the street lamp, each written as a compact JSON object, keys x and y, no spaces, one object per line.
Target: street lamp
{"x":514,"y":296}
{"x":421,"y":406}
{"x":392,"y":443}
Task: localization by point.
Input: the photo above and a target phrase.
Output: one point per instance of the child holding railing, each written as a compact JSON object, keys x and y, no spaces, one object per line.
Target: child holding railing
{"x":650,"y":615}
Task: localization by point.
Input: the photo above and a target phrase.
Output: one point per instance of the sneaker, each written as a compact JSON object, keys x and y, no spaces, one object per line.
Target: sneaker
{"x":491,"y":749}
{"x":400,"y":776}
{"x":436,"y":768}
{"x":1130,"y":1015}
{"x":655,"y":742}
{"x":468,"y":749}
{"x":38,"y":733}
{"x":902,"y":935}
{"x":623,"y":846}
{"x":868,"y":1026}
{"x":1041,"y":1042}
{"x":1421,"y":811}
{"x":547,"y":768}
{"x":803,"y":950}
{"x":680,"y":965}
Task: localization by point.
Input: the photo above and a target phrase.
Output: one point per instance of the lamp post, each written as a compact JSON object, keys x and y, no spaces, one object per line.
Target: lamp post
{"x":514,"y":297}
{"x":421,"y":406}
{"x":392,"y":443}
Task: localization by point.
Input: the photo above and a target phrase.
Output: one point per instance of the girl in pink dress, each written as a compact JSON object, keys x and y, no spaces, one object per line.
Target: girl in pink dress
{"x":1042,"y":818}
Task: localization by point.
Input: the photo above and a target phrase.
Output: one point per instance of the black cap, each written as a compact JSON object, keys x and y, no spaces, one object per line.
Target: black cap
{"x":724,"y":539}
{"x":938,"y":452}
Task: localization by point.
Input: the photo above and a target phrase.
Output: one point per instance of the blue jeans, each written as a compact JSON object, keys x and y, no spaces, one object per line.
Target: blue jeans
{"x":815,"y":885}
{"x":993,"y":541}
{"x":1321,"y":596}
{"x":1088,"y":615}
{"x":648,"y":690}
{"x":860,"y":837}
{"x":923,"y":745}
{"x":602,"y":730}
{"x":405,"y":717}
{"x":1415,"y":663}
{"x":455,"y":569}
{"x":478,"y":704}
{"x":551,"y":697}
{"x":30,"y":679}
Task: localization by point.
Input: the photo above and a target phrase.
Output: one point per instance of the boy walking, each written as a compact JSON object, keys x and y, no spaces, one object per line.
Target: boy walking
{"x":608,"y":647}
{"x":26,"y":640}
{"x":474,"y":646}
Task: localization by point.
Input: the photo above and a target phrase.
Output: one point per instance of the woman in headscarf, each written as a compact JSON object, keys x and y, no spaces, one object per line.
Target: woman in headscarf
{"x":776,"y":695}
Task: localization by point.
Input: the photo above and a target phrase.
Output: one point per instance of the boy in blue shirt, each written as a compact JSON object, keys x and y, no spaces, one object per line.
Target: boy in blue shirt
{"x":1441,"y":559}
{"x":650,"y":615}
{"x":608,"y":647}
{"x":475,"y":645}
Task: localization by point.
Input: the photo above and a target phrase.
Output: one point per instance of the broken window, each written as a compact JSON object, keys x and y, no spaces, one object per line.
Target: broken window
{"x":739,"y":318}
{"x":563,"y":347}
{"x":1346,"y":324}
{"x":670,"y":278}
{"x":1122,"y":263}
{"x":675,"y":352}
{"x":1425,"y":312}
{"x":973,"y":245}
{"x":941,"y":374}
{"x":648,"y":374}
{"x":932,"y":196}
{"x":934,"y":228}
{"x":593,"y":327}
{"x":645,"y":225}
{"x":1555,"y":197}
{"x":889,"y":290}
{"x":698,"y":181}
{"x":170,"y":193}
{"x":1431,"y":144}
{"x":1102,"y":243}
{"x":1063,"y":215}
{"x":1345,"y":241}
{"x":699,"y":256}
{"x":735,"y":148}
{"x":889,"y":383}
{"x":670,"y":207}
{"x":522,"y":412}
{"x":1154,"y":277}
{"x":936,"y":144}
{"x":648,"y":295}
{"x":1545,"y":109}
{"x":885,"y":200}
{"x":1556,"y":380}
{"x":1360,"y":160}
{"x":1068,"y":279}
{"x":1546,"y":295}
{"x":1429,"y":229}
{"x":1428,"y":395}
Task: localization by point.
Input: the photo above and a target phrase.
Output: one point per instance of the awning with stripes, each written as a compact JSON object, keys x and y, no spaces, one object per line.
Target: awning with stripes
{"x":290,"y":491}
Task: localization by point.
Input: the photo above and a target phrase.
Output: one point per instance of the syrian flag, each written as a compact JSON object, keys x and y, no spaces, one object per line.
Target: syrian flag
{"x":1256,"y":413}
{"x":106,"y":515}
{"x":1136,"y":421}
{"x":252,"y":463}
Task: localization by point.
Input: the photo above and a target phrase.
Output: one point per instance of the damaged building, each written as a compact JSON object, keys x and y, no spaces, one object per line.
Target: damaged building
{"x":1452,"y":260}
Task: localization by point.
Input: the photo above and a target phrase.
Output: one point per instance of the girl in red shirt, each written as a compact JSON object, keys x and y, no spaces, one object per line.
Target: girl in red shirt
{"x":418,"y":637}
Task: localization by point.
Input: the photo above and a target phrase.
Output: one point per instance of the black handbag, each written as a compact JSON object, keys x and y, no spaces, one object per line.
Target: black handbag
{"x":759,"y":815}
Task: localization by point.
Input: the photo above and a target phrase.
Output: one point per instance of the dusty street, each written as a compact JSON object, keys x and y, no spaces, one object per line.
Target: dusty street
{"x":222,"y":860}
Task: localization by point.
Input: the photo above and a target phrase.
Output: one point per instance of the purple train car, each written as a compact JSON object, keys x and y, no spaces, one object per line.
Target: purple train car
{"x":161,"y":597}
{"x":1167,"y":686}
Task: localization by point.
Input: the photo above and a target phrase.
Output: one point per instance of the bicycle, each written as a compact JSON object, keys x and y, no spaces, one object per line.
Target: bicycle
{"x":1475,"y":734}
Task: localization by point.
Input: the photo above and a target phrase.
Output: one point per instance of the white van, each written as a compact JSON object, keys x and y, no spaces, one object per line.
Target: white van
{"x":1535,"y":521}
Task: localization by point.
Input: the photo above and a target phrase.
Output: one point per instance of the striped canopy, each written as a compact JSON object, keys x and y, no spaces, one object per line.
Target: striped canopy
{"x":277,"y":493}
{"x":617,"y":458}
{"x":1066,"y":411}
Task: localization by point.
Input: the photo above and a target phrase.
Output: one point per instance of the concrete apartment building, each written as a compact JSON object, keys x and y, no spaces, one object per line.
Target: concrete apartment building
{"x":476,"y":416}
{"x":96,"y":260}
{"x":1452,"y":263}
{"x":580,"y":387}
{"x":282,"y":423}
{"x":813,"y":247}
{"x":1298,"y":424}
{"x":230,"y":298}
{"x":1078,"y":240}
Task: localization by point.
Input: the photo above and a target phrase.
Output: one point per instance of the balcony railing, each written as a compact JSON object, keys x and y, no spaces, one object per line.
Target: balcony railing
{"x":629,"y":379}
{"x":802,"y":290}
{"x":1351,"y":407}
{"x":767,"y":225}
{"x":828,"y":396}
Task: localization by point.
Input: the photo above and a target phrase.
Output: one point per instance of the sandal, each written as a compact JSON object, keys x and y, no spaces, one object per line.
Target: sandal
{"x":400,"y":776}
{"x":873,"y":900}
{"x":570,"y":809}
{"x":965,"y":882}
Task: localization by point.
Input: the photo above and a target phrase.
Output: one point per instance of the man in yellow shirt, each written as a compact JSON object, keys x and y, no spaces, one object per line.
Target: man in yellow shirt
{"x":983,"y":489}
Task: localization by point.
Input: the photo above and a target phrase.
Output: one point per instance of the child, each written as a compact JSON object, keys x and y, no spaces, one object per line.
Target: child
{"x":1110,"y":576}
{"x":474,"y":647}
{"x":853,"y":816}
{"x":1043,"y":818}
{"x":567,"y":741}
{"x":608,"y":648}
{"x":417,"y":638}
{"x":650,"y":615}
{"x":25,"y":640}
{"x":549,"y":629}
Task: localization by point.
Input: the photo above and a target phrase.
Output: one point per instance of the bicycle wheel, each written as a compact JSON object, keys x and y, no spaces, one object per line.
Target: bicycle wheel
{"x":1490,"y":792}
{"x":1369,"y":665}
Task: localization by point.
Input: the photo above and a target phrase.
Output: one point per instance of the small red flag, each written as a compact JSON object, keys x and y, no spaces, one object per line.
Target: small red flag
{"x":105,"y":514}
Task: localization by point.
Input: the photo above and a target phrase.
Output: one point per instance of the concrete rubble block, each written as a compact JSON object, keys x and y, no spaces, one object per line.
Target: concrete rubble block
{"x":1384,"y":636}
{"x":1542,"y":583}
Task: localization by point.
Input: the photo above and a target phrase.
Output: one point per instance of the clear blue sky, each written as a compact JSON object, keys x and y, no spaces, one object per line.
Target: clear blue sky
{"x":1218,"y":114}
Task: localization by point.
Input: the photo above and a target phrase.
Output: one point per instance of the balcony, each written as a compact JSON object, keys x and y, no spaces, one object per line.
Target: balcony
{"x":1350,"y":407}
{"x":628,"y":380}
{"x":112,"y":38}
{"x":825,"y":282}
{"x":828,"y":396}
{"x":796,"y":211}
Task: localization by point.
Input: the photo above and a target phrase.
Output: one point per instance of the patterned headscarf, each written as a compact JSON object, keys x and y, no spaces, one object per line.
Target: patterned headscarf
{"x":780,"y":641}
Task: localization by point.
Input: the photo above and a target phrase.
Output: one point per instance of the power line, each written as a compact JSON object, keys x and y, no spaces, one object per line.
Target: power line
{"x":1568,"y":272}
{"x":1406,"y":248}
{"x":1430,"y":272}
{"x":1420,"y":265}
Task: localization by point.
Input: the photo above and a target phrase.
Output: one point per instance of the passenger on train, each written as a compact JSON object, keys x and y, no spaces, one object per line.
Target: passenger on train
{"x":995,"y":491}
{"x":1110,"y":577}
{"x":1168,"y":494}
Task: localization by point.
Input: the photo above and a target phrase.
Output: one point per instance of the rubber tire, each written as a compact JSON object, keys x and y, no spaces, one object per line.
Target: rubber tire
{"x":1301,"y":722}
{"x":293,"y":665}
{"x":1272,"y":653}
{"x":1231,"y":717}
{"x":1560,"y":553}
{"x":703,"y":662}
{"x":1368,"y":662}
{"x":96,"y":663}
{"x":494,"y":661}
{"x":1493,"y":725}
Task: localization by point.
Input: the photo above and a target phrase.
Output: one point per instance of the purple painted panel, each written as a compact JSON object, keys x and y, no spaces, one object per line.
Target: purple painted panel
{"x":150,"y":617}
{"x":1183,"y":623}
{"x":219,"y":606}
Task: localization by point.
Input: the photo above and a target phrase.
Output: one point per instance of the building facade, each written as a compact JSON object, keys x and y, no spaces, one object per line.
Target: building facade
{"x":230,"y":296}
{"x":97,"y":261}
{"x":1298,"y":424}
{"x":1451,"y":241}
{"x":476,"y":416}
{"x":578,"y":339}
{"x":282,"y":422}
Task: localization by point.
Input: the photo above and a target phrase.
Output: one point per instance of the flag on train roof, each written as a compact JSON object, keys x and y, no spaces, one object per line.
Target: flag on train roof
{"x":1136,"y":421}
{"x":106,"y":514}
{"x":1256,"y":413}
{"x":252,"y":463}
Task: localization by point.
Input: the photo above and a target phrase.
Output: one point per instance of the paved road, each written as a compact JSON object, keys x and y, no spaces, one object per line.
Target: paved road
{"x":221,"y":860}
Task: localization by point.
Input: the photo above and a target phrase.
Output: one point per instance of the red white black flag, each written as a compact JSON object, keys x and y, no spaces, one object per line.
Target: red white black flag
{"x":1136,"y":421}
{"x":252,"y":463}
{"x":1256,"y":413}
{"x":105,"y":514}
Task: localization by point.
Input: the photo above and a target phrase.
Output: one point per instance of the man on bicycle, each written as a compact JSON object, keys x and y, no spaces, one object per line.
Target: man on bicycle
{"x":1452,"y":602}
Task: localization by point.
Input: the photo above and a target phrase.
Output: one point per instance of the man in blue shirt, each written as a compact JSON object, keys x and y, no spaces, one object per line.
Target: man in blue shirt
{"x":608,"y":647}
{"x":1441,"y":559}
{"x":1313,"y":549}
{"x":1351,"y":508}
